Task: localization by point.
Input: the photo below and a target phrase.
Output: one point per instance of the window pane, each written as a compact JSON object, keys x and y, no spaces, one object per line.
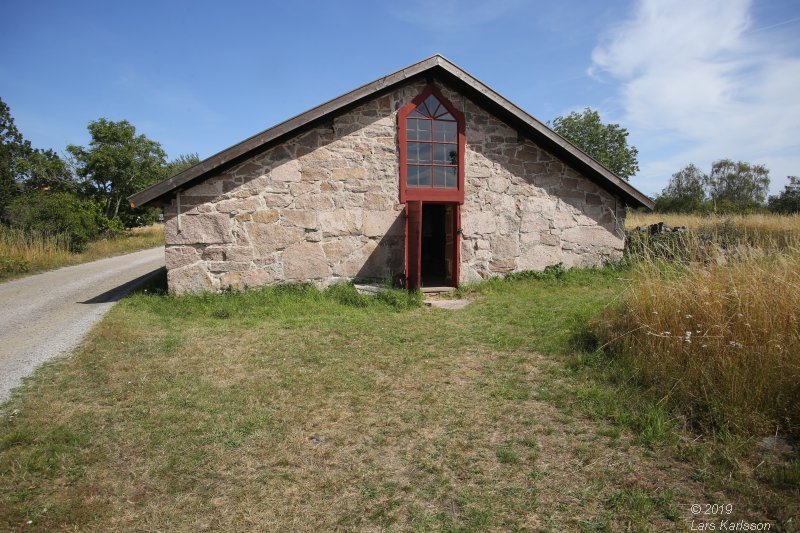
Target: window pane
{"x":416,"y":113}
{"x":419,"y":152}
{"x":424,"y":176}
{"x":411,"y":129}
{"x":452,"y":177}
{"x":432,"y":103}
{"x":412,"y":175}
{"x":444,"y":177}
{"x":418,"y":130}
{"x":444,"y":115}
{"x":445,"y":154}
{"x":438,"y":176}
{"x":444,"y":131}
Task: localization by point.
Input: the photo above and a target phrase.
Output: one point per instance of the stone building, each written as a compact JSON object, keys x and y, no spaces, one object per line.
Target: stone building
{"x":426,"y":176}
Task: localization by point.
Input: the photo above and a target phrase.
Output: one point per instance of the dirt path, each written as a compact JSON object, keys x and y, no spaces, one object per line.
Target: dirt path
{"x":46,"y":315}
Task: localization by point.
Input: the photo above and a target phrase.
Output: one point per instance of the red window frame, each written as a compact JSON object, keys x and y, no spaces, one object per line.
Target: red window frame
{"x":438,"y":194}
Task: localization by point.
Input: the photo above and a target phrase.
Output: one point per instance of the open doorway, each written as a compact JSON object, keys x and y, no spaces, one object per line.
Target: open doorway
{"x":431,"y":244}
{"x":436,"y":261}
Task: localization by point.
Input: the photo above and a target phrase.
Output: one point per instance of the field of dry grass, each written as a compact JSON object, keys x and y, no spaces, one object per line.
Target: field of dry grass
{"x":720,"y":341}
{"x":766,"y":231}
{"x":711,"y":320}
{"x":289,"y":409}
{"x":23,"y":253}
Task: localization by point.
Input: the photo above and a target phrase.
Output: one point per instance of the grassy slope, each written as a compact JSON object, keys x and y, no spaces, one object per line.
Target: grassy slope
{"x":291,"y":410}
{"x":23,"y":255}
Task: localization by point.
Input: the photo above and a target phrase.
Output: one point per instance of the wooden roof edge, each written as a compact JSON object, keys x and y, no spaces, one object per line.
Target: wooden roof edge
{"x":153,"y":193}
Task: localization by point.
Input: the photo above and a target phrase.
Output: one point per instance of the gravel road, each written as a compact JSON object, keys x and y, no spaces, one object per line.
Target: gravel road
{"x":48,"y":314}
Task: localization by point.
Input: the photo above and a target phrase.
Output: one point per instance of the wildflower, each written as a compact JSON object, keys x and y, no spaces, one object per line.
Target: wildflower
{"x":687,"y":337}
{"x":688,"y":316}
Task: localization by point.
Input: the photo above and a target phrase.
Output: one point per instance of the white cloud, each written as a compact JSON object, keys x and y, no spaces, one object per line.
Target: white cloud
{"x":697,"y":84}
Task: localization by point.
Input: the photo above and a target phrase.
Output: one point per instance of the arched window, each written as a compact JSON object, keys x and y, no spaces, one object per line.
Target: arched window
{"x":432,"y":143}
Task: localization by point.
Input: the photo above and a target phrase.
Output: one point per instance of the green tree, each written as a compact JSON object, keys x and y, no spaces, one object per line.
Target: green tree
{"x":607,"y":143}
{"x":788,"y":201}
{"x":24,"y":168}
{"x":117,"y":163}
{"x":737,"y":186}
{"x":12,"y":148}
{"x":44,"y":170}
{"x":685,"y":192}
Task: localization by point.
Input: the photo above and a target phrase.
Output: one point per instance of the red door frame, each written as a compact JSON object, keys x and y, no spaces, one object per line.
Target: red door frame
{"x":413,"y":268}
{"x":413,"y":244}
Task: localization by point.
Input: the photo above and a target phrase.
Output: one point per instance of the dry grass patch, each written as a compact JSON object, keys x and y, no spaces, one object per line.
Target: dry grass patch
{"x":754,"y":222}
{"x":23,"y":252}
{"x":722,"y":342}
{"x":767,"y":232}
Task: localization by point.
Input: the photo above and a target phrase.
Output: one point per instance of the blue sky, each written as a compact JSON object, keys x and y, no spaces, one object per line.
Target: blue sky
{"x":693,"y":81}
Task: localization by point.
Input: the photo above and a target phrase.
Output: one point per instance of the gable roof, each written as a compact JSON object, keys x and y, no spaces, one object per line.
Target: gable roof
{"x":433,"y":68}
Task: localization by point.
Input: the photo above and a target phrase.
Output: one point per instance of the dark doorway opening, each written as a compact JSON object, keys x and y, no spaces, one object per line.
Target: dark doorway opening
{"x":438,"y":228}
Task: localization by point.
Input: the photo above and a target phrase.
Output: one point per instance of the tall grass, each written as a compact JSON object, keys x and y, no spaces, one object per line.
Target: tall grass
{"x":23,"y":252}
{"x":711,"y":323}
{"x":763,"y":230}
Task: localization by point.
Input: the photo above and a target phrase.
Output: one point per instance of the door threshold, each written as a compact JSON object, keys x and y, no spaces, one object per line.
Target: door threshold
{"x":428,"y":290}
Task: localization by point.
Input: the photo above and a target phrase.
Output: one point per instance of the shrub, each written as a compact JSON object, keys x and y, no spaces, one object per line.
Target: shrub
{"x":64,"y":213}
{"x":111,"y":227}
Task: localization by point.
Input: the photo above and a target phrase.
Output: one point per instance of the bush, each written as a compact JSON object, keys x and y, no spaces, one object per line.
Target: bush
{"x":64,"y":213}
{"x":12,"y":265}
{"x":111,"y":227}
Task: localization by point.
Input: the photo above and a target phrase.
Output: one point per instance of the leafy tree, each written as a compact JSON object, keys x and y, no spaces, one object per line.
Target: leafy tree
{"x":117,"y":163}
{"x":607,"y":143}
{"x":685,"y":192}
{"x":23,"y":167}
{"x":45,"y":170}
{"x":788,"y":201}
{"x":12,"y":148}
{"x":737,"y":186}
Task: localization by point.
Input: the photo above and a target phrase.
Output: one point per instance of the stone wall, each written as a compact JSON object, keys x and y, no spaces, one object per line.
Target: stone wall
{"x":322,"y":207}
{"x":524,"y":209}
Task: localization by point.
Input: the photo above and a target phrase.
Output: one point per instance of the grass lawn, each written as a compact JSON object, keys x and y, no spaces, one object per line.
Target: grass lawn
{"x":291,"y":409}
